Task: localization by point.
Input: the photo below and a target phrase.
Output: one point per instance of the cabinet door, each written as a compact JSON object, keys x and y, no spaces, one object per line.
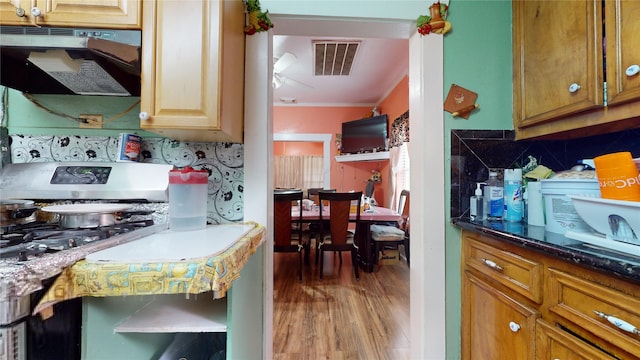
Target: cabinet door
{"x":193,"y":70}
{"x":557,"y":47}
{"x":622,"y":20}
{"x":8,"y":14}
{"x":123,"y":14}
{"x":494,"y":325}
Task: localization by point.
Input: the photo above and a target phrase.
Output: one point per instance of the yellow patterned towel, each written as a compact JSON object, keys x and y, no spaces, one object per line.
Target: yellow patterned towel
{"x":209,"y":273}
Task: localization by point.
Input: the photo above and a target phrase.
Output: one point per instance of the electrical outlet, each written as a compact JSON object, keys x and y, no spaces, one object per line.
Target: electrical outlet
{"x":90,"y":121}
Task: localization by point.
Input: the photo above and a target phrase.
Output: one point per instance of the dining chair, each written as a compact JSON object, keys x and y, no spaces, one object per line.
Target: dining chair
{"x":394,"y":235}
{"x":341,"y":233}
{"x":312,"y":194}
{"x":287,"y":232}
{"x":314,"y":228}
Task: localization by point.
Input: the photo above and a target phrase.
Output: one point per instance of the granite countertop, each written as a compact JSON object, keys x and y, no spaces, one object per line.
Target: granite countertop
{"x":620,"y":264}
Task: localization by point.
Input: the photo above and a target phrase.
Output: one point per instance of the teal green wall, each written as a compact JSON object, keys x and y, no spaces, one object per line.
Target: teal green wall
{"x":477,"y":56}
{"x":48,"y":114}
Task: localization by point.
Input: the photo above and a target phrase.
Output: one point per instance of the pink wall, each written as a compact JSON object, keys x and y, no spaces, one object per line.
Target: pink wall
{"x":397,"y":102}
{"x":345,"y":176}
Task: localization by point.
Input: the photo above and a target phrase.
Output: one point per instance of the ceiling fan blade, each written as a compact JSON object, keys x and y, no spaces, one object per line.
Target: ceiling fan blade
{"x":284,"y":62}
{"x":289,"y":81}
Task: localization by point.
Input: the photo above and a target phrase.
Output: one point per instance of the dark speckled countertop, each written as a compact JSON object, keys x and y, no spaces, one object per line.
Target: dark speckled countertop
{"x":535,"y":237}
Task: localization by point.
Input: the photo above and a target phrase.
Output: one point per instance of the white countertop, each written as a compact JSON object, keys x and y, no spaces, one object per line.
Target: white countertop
{"x":171,"y":245}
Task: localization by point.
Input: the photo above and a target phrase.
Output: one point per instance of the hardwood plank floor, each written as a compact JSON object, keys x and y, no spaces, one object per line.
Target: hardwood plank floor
{"x":340,"y":317}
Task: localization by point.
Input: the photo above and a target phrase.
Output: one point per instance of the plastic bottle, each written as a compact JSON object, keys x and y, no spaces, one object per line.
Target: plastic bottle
{"x":476,"y":205}
{"x":513,"y":195}
{"x":494,"y":191}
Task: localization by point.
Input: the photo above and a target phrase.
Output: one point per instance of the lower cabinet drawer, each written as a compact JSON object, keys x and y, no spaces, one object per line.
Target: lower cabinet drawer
{"x":610,"y":317}
{"x":516,"y":272}
{"x":554,"y":343}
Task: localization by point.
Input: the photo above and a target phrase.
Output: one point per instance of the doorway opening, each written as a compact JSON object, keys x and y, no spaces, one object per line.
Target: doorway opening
{"x":324,"y":139}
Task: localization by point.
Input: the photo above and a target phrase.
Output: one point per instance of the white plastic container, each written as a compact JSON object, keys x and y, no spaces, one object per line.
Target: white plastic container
{"x":559,"y":212}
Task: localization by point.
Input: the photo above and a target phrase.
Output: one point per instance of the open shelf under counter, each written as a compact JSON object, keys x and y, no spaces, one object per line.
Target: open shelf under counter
{"x":177,"y":314}
{"x":374,"y":156}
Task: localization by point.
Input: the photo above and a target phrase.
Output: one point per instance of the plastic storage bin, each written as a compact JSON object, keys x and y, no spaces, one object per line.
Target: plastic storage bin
{"x":559,"y":212}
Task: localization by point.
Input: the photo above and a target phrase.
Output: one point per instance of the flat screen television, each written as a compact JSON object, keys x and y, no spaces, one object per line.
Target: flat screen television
{"x":365,"y":135}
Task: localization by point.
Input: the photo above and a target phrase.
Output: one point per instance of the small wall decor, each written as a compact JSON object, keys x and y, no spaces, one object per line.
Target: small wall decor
{"x":436,"y":21}
{"x":375,"y":176}
{"x":257,"y":20}
{"x":460,"y":101}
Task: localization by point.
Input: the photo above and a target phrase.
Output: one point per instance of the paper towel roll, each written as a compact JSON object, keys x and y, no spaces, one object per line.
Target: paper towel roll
{"x":534,"y":206}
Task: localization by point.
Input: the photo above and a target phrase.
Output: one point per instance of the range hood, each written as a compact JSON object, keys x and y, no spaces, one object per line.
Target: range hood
{"x":40,"y":60}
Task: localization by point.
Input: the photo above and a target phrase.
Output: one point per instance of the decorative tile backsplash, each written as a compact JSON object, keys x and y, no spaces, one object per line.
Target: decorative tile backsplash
{"x":223,"y":161}
{"x":474,"y":152}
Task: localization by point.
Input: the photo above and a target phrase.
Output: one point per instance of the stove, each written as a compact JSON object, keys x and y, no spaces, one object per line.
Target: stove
{"x":33,"y":253}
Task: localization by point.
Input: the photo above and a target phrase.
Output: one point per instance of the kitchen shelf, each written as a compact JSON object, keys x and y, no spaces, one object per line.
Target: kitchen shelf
{"x":374,"y":156}
{"x":177,"y":314}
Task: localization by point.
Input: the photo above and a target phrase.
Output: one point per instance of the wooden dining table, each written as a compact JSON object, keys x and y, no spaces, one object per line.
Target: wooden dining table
{"x":375,"y":215}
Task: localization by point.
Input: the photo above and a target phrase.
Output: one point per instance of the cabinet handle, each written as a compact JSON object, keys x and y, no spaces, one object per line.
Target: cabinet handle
{"x":20,"y":12}
{"x":144,"y":115}
{"x":633,"y":70}
{"x":514,"y":326}
{"x":619,"y":323}
{"x":574,"y":87}
{"x":35,"y":11}
{"x":492,"y":264}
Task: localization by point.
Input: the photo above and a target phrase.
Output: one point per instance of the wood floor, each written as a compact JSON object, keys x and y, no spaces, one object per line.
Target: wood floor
{"x":340,"y":317}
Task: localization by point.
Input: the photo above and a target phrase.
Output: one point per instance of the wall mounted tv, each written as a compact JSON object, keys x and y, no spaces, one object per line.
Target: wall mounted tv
{"x":365,"y":135}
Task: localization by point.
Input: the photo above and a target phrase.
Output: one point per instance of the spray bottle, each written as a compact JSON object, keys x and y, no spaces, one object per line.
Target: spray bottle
{"x":513,"y":195}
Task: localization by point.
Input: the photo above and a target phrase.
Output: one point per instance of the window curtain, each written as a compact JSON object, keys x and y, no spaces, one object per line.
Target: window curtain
{"x":299,"y":171}
{"x":399,"y":158}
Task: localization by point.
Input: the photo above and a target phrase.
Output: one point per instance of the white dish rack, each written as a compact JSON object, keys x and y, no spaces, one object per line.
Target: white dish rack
{"x":616,"y":223}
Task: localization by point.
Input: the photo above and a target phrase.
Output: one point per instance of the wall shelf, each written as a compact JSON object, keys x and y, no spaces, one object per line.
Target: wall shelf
{"x":374,"y":156}
{"x":178,"y":314}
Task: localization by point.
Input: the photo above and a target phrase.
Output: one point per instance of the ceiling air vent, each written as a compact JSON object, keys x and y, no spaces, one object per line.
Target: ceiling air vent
{"x":334,"y":57}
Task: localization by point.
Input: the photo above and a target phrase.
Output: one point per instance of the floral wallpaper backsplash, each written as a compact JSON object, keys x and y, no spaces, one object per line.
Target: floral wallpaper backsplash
{"x":223,"y":161}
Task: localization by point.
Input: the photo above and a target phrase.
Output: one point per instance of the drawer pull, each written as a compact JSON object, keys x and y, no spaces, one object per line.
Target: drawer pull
{"x":492,"y":264}
{"x":621,"y":324}
{"x":574,"y":87}
{"x":514,"y":326}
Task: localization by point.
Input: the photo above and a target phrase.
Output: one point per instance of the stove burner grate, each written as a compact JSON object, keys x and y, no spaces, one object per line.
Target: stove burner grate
{"x":32,"y":239}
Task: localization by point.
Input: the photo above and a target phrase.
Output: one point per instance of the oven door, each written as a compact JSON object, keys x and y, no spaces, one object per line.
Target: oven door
{"x":12,"y":342}
{"x":59,"y":334}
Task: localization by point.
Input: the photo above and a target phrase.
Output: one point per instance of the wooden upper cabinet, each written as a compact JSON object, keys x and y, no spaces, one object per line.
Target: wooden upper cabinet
{"x":110,"y":14}
{"x":564,"y":55}
{"x":557,"y":59}
{"x":622,"y":20}
{"x":192,"y":85}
